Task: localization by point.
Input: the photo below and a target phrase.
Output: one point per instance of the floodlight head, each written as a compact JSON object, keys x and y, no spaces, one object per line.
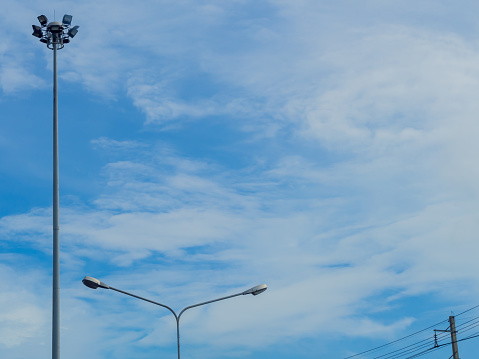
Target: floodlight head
{"x":43,"y":20}
{"x":55,"y":34}
{"x":67,"y":20}
{"x":37,"y":31}
{"x":73,"y":31}
{"x":94,"y":283}
{"x":256,"y":290}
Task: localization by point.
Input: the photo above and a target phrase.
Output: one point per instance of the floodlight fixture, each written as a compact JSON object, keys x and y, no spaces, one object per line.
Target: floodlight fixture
{"x":37,"y":31}
{"x":73,"y":31}
{"x":43,"y":20}
{"x":55,"y":34}
{"x":67,"y":20}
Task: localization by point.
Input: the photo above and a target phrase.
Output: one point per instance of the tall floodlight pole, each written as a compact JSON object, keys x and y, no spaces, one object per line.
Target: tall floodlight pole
{"x":94,"y":283}
{"x":55,"y":35}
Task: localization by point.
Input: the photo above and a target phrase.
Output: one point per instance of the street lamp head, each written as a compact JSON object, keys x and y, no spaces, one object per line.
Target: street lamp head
{"x":67,"y":20}
{"x":43,"y":20}
{"x":94,"y":283}
{"x":256,"y":290}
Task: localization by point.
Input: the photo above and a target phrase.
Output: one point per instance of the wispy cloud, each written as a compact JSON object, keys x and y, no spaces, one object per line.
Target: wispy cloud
{"x":355,"y":186}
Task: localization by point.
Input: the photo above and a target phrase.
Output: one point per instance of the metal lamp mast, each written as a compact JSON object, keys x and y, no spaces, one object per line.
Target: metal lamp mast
{"x":55,"y":35}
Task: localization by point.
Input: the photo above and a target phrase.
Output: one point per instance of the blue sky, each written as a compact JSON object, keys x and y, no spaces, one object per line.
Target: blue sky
{"x":326,"y":148}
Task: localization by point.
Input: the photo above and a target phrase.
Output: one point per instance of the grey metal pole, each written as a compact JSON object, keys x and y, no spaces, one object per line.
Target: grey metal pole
{"x":56,"y":226}
{"x":193,"y":306}
{"x":178,"y":335}
{"x":55,"y":35}
{"x":455,"y":351}
{"x":177,"y":318}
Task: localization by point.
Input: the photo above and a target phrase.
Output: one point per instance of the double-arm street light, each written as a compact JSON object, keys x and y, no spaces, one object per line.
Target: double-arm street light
{"x":95,"y":283}
{"x":55,"y":35}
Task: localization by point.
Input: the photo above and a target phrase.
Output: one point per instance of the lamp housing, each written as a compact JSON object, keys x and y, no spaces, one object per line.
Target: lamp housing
{"x":43,"y":20}
{"x":67,"y":20}
{"x":256,"y":290}
{"x":37,"y":31}
{"x":73,"y":31}
{"x":94,"y":283}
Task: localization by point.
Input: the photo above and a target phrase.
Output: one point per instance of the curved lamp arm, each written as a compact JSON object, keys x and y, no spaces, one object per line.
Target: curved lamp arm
{"x":146,"y":300}
{"x":255,"y":291}
{"x":208,"y":302}
{"x":95,"y":283}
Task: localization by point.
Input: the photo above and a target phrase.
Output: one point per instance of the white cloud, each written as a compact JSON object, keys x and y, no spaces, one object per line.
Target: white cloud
{"x":16,"y":56}
{"x":14,"y":78}
{"x":415,"y":85}
{"x":372,"y":191}
{"x":105,"y":143}
{"x":159,"y":106}
{"x":24,"y":316}
{"x":294,"y":252}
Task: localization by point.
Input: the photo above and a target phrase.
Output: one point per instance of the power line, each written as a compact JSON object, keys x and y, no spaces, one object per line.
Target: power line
{"x":469,"y":327}
{"x":411,"y":348}
{"x":414,"y":347}
{"x":401,"y":352}
{"x":467,"y":310}
{"x":475,"y":335}
{"x":427,"y":351}
{"x":395,"y":341}
{"x":411,"y":351}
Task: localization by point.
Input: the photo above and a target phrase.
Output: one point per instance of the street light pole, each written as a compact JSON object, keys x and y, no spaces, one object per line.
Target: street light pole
{"x":56,"y":224}
{"x":95,"y":283}
{"x":55,"y":35}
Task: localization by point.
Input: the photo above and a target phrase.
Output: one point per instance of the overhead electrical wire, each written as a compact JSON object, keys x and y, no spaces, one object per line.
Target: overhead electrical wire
{"x":395,"y":341}
{"x":469,"y":327}
{"x":414,"y":346}
{"x":475,"y":335}
{"x":437,"y":339}
{"x":429,"y":350}
{"x":477,"y":306}
{"x":414,"y":350}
